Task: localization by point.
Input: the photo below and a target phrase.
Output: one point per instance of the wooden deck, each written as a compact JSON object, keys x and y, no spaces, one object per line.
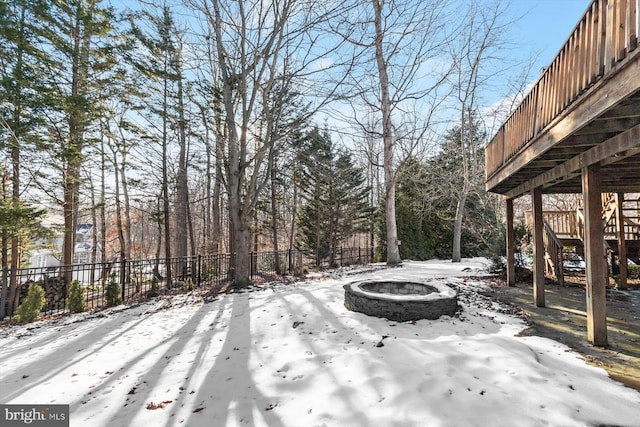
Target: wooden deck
{"x":577,"y":131}
{"x":584,"y":110}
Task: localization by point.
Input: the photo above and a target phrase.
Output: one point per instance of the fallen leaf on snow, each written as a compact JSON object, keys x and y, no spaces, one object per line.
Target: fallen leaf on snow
{"x":152,"y":405}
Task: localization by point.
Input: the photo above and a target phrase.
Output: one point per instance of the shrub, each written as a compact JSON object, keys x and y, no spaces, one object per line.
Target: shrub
{"x":497,"y":265}
{"x":30,"y":308}
{"x":523,"y":238}
{"x":112,"y":292}
{"x":633,"y":271}
{"x":154,"y":288}
{"x":76,"y":298}
{"x":187,"y":285}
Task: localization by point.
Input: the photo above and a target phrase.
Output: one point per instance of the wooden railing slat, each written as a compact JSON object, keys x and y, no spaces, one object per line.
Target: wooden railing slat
{"x":603,"y":37}
{"x":632,"y":24}
{"x":620,"y":26}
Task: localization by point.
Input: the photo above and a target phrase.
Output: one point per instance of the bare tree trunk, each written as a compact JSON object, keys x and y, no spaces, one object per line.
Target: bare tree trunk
{"x":5,"y":274}
{"x":192,"y":237}
{"x":182,"y":187}
{"x":274,"y":219}
{"x":294,"y":210}
{"x":457,"y":225}
{"x":103,"y":215}
{"x":127,"y":210}
{"x":393,"y":251}
{"x":121,"y":239}
{"x":94,"y":230}
{"x":216,"y":217}
{"x":159,"y":222}
{"x":207,"y":228}
{"x":165,"y":179}
{"x":5,"y":263}
{"x":464,"y":191}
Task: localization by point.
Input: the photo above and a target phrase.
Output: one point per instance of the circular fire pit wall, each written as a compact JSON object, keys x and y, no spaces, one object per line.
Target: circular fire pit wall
{"x":401,"y":301}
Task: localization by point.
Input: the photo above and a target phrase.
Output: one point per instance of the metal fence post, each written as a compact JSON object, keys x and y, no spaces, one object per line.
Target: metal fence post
{"x":199,"y":267}
{"x":123,"y":274}
{"x":251,"y":265}
{"x":3,"y":292}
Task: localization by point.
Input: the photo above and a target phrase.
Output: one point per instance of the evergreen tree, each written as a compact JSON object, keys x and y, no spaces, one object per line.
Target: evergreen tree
{"x":77,"y":35}
{"x":336,"y":197}
{"x":422,"y":231}
{"x":157,"y":60}
{"x":22,"y":65}
{"x":447,"y":185}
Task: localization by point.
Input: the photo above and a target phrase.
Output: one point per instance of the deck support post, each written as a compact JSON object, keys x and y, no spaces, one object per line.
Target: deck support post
{"x":538,"y":248}
{"x":511,"y":246}
{"x":594,"y":256}
{"x":622,"y":243}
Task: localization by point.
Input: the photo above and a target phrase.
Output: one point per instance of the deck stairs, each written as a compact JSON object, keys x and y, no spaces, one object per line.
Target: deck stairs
{"x":564,"y":232}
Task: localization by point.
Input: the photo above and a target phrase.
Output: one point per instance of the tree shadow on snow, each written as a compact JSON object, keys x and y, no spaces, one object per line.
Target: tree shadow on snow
{"x":228,"y":392}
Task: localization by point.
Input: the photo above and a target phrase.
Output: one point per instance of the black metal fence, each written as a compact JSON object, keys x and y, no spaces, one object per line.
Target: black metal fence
{"x":111,"y":283}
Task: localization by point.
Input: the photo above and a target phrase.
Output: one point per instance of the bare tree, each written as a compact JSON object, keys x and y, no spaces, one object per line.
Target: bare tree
{"x":400,"y":38}
{"x":480,"y":38}
{"x":256,"y":44}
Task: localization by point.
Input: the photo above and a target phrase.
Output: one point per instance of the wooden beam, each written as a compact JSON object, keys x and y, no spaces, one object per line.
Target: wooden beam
{"x":622,"y":242}
{"x":598,"y":127}
{"x":538,"y":248}
{"x":619,"y":147}
{"x":511,"y":245}
{"x":594,"y":257}
{"x":599,"y":99}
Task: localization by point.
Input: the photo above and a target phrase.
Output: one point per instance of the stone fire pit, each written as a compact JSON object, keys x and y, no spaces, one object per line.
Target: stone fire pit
{"x":401,"y":300}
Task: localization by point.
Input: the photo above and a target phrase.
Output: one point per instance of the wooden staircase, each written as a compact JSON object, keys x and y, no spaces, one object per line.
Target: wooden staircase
{"x":563,"y":229}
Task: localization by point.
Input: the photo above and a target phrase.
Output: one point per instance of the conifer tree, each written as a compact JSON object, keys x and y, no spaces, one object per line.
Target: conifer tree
{"x":336,"y":197}
{"x":22,"y":64}
{"x":448,"y":187}
{"x":77,"y":35}
{"x":158,"y":63}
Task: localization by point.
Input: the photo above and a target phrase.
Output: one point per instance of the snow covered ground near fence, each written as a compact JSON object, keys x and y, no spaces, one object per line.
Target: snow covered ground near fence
{"x":293,"y":355}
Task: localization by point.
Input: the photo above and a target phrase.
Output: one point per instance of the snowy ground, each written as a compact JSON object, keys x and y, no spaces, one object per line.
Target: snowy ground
{"x":294,"y":356}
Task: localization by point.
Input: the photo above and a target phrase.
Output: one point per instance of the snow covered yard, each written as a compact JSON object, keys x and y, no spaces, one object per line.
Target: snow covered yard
{"x":293,"y":355}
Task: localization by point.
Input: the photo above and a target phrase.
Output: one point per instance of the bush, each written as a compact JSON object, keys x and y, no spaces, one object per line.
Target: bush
{"x":112,"y":293}
{"x":153,"y":292}
{"x":498,"y":265}
{"x":30,"y":308}
{"x":76,"y":300}
{"x":633,"y":271}
{"x":187,"y":285}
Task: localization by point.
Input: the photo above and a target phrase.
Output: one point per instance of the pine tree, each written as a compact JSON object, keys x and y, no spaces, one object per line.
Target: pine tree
{"x":78,"y":38}
{"x":423,"y":233}
{"x":22,"y":73}
{"x":449,"y":186}
{"x":336,"y":198}
{"x":158,"y":63}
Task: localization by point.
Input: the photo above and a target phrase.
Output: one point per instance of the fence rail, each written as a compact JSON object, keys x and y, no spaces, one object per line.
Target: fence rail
{"x":111,"y":283}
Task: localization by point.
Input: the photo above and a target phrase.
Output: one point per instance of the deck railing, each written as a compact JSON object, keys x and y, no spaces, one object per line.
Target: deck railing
{"x":563,"y":223}
{"x":605,"y":35}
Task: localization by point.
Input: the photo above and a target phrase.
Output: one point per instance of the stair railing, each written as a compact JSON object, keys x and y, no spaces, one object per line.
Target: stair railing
{"x":553,"y":249}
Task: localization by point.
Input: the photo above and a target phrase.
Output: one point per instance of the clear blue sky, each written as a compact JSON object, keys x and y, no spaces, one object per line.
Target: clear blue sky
{"x":547,"y":24}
